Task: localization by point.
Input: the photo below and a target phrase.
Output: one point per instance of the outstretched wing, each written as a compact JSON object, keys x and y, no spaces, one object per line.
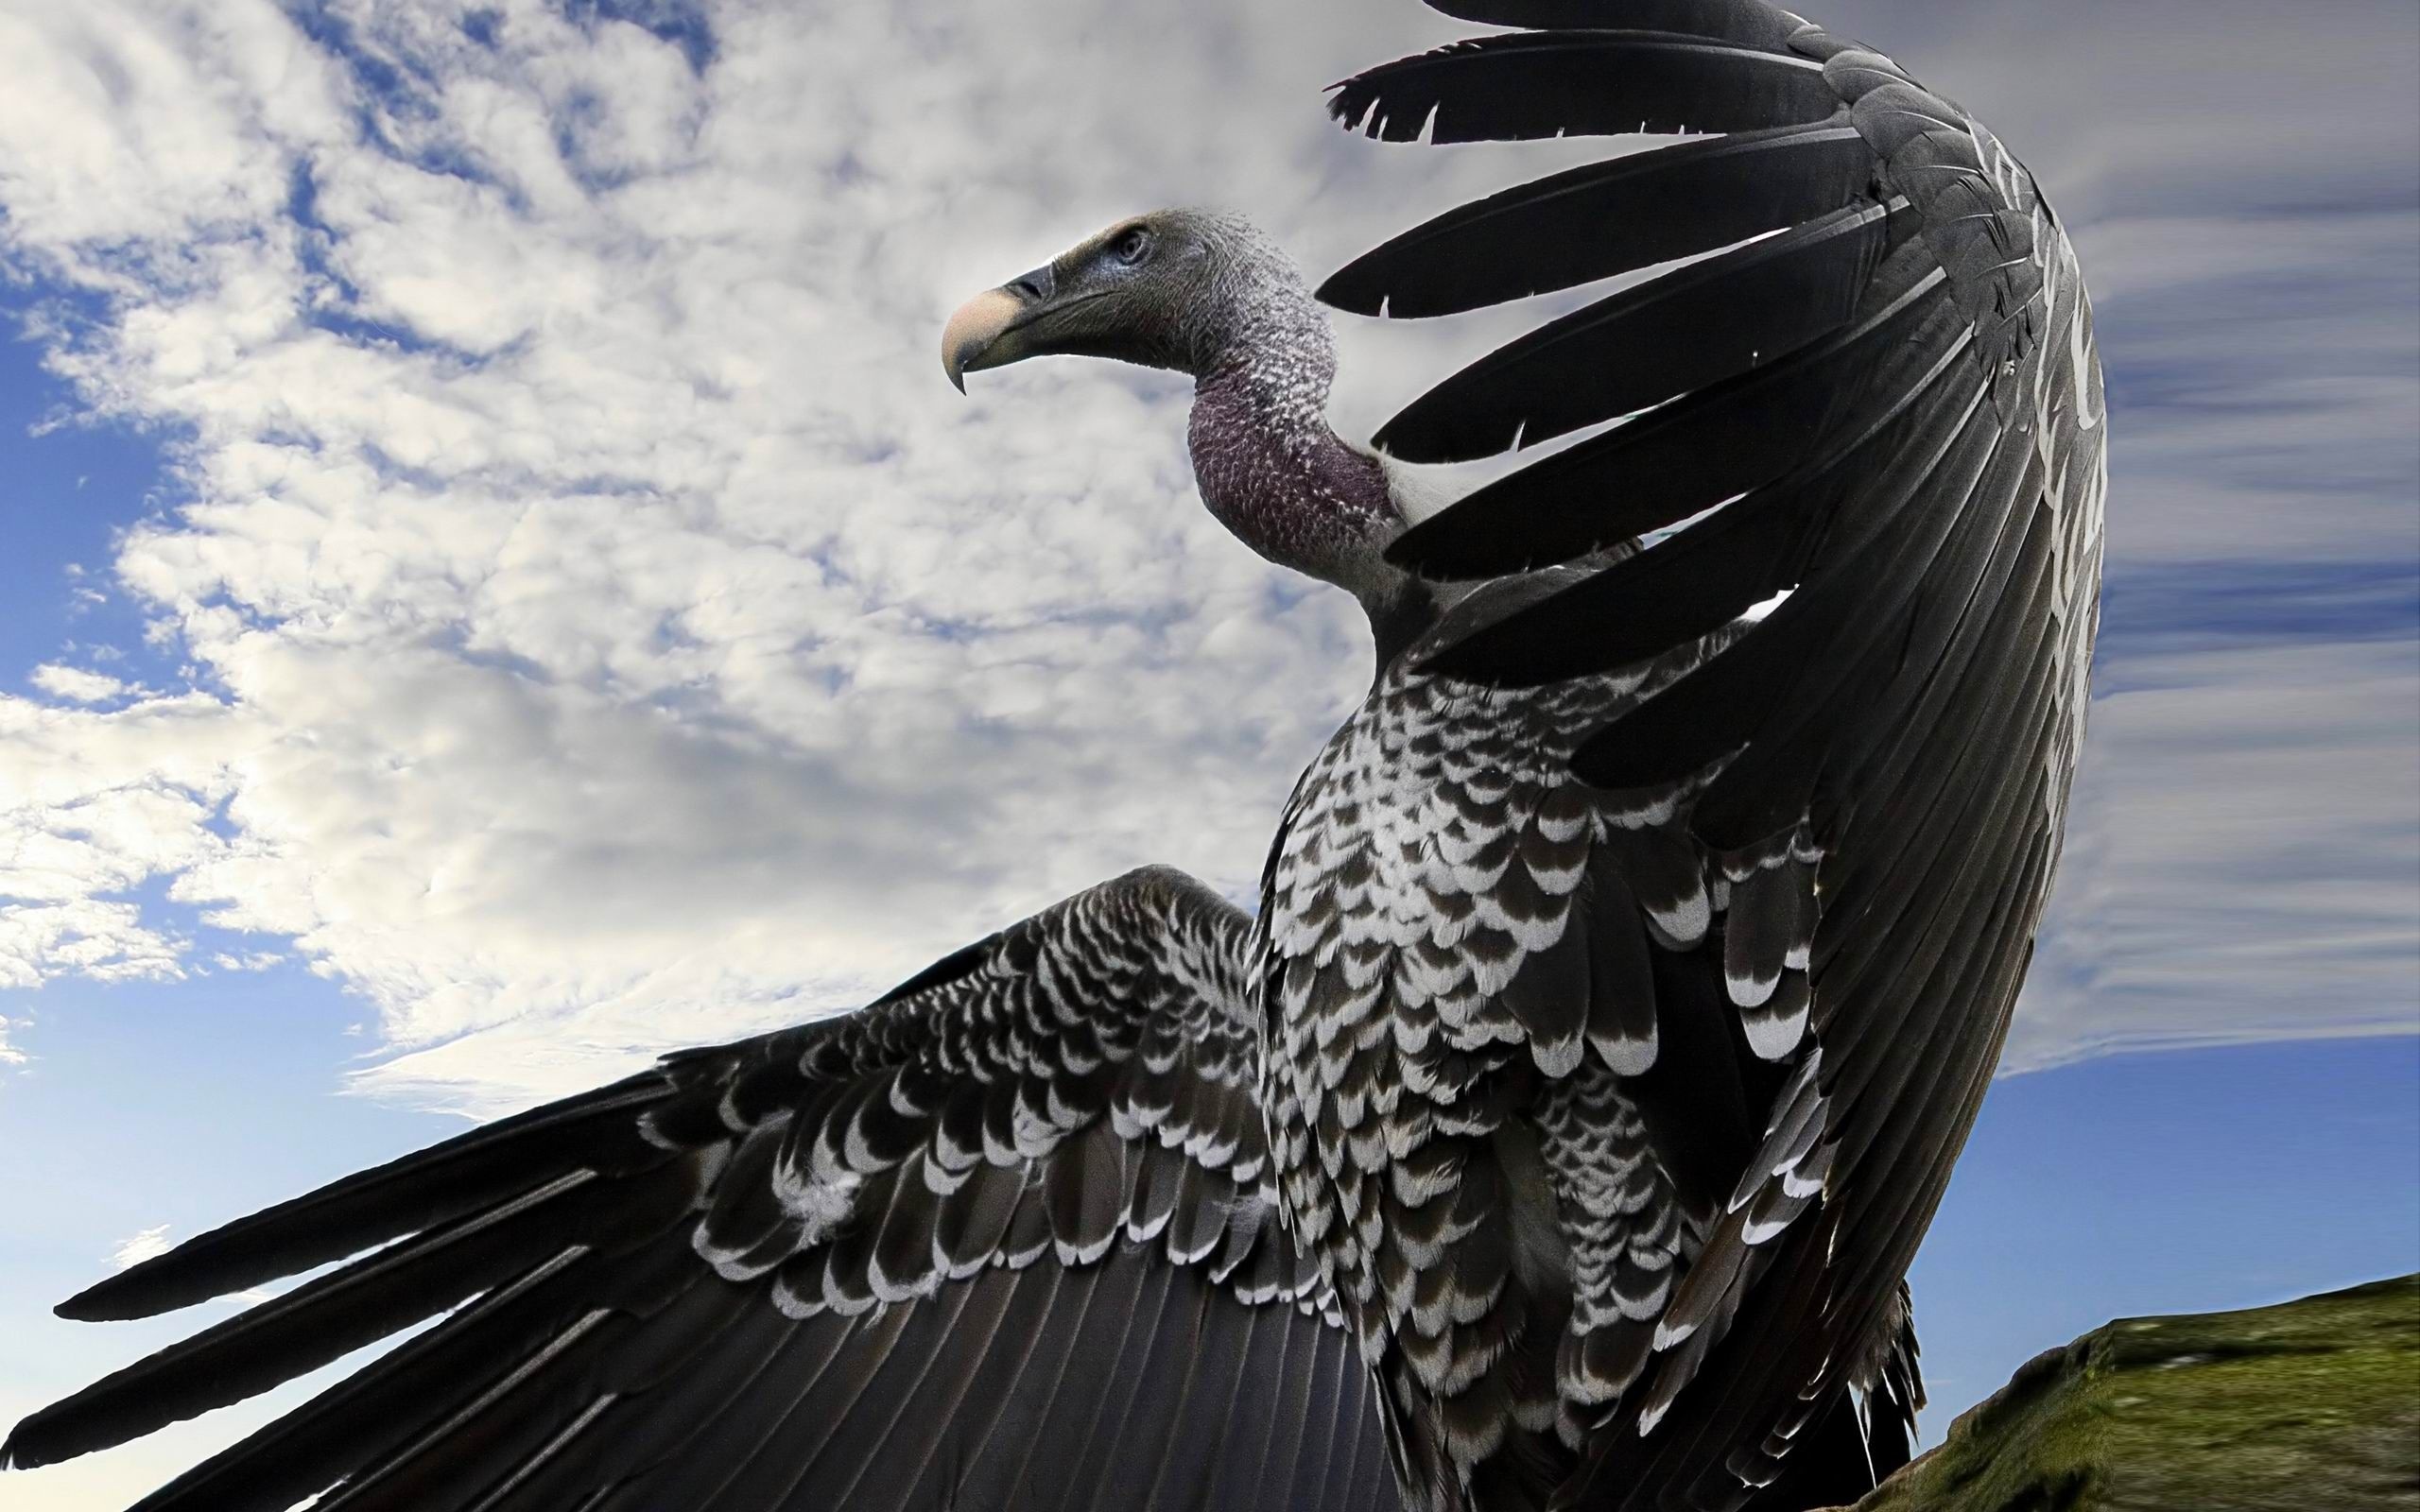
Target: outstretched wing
{"x":1002,"y":1239}
{"x":1874,"y":410}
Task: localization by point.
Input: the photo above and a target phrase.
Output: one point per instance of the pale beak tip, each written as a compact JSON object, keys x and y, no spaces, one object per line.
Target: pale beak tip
{"x":972,"y":331}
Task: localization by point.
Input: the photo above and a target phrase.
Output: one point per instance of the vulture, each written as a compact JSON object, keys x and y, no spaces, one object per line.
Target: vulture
{"x":1626,"y":974}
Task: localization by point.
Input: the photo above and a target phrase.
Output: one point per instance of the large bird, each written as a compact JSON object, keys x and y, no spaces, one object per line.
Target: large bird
{"x":1627,"y":972}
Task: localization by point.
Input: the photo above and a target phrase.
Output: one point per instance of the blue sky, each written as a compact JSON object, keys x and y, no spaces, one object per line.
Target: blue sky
{"x":491,"y":587}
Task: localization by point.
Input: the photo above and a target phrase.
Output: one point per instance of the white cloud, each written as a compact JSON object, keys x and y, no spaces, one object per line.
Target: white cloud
{"x":611,"y":629}
{"x":98,"y":804}
{"x":149,"y":1244}
{"x":2240,"y":858}
{"x":608,"y":630}
{"x":76,"y":684}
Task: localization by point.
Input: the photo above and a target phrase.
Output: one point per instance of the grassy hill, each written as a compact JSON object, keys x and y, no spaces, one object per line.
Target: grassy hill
{"x":2311,"y":1406}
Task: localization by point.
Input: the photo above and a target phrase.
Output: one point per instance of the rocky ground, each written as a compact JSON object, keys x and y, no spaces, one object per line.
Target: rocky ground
{"x":2311,"y":1406}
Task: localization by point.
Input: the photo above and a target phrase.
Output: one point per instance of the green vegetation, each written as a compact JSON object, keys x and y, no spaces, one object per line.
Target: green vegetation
{"x":2311,"y":1406}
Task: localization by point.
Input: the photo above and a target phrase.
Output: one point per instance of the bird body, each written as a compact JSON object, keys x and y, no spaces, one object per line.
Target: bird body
{"x":1626,"y":973}
{"x":1447,"y":1144}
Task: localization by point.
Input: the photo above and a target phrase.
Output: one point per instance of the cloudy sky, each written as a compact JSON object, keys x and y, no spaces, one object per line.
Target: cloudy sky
{"x":492,"y":583}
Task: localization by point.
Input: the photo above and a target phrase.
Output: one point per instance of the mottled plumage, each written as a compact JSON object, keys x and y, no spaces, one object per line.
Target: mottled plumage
{"x":1627,"y":968}
{"x":725,"y":1282}
{"x":1454,"y":1008}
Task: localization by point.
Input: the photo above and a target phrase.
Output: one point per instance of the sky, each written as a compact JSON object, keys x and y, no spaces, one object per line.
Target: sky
{"x":493,"y":586}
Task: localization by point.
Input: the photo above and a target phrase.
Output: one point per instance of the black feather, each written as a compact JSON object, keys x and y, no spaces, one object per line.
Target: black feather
{"x":1530,"y":85}
{"x":1621,"y":978}
{"x":458,"y":1439}
{"x":1762,"y":927}
{"x":660,"y":1427}
{"x":378,"y":1295}
{"x":973,"y":1220}
{"x":1703,"y":578}
{"x":958,"y":963}
{"x":1084,"y":1186}
{"x":1610,"y":217}
{"x":748,"y":1227}
{"x":717,"y":1449}
{"x":1749,"y":23}
{"x":1680,"y":590}
{"x":1674,"y":462}
{"x":1551,"y":996}
{"x":903,"y":1249}
{"x":812,"y":1448}
{"x":366,"y":1415}
{"x":1687,"y":329}
{"x":1716,"y":708}
{"x":595,"y":1131}
{"x":654,"y":1374}
{"x":1969,"y":541}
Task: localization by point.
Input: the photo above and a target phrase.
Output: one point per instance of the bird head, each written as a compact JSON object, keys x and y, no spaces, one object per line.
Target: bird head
{"x":1174,"y":289}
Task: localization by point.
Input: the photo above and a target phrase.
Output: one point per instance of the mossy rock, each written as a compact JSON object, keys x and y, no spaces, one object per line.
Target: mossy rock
{"x":2311,"y":1406}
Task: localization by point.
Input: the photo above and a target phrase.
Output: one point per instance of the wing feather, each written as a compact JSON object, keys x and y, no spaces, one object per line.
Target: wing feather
{"x":1893,"y":528}
{"x":1679,"y":459}
{"x":1748,"y":23}
{"x":926,"y":1254}
{"x":1702,"y":323}
{"x":1607,"y":218}
{"x":1527,"y":85}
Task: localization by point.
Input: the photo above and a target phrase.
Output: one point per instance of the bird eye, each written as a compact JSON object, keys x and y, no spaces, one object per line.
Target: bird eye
{"x":1133,"y":245}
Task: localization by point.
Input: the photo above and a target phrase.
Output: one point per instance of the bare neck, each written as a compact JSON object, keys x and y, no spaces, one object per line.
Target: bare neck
{"x":1275,"y":475}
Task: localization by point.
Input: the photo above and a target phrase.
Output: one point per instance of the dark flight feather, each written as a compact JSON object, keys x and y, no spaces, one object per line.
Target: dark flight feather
{"x":1747,"y":23}
{"x":1691,"y":328}
{"x":1607,"y":218}
{"x":1674,"y":462}
{"x":419,"y":1190}
{"x":1527,"y":85}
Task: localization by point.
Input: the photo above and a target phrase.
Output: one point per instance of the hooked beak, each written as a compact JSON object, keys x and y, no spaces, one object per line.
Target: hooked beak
{"x":984,"y":332}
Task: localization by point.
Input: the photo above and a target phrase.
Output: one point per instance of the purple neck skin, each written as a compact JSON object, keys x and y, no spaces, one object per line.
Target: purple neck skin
{"x":1273,"y":474}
